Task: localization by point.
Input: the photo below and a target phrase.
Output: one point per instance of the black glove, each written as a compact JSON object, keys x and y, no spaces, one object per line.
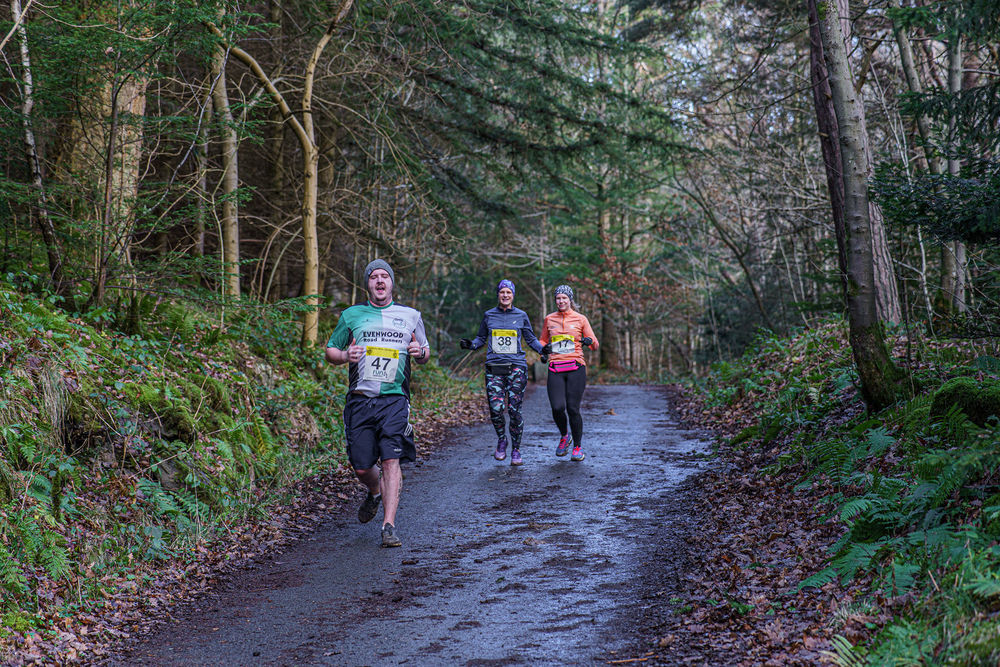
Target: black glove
{"x":547,"y":349}
{"x":587,"y":341}
{"x":544,"y":358}
{"x":465,"y":344}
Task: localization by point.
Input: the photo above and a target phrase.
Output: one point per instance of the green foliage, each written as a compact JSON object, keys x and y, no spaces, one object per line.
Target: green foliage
{"x":915,"y":488}
{"x":977,"y":399}
{"x":119,"y":452}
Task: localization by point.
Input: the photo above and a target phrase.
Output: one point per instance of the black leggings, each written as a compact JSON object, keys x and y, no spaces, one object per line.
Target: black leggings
{"x":565,"y":393}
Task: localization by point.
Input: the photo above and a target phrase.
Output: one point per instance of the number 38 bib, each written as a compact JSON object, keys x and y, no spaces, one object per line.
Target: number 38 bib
{"x":380,"y":364}
{"x":504,"y":341}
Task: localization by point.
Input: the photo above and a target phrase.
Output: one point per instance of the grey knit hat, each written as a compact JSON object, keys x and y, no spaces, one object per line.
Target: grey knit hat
{"x":378,"y":264}
{"x":565,"y":289}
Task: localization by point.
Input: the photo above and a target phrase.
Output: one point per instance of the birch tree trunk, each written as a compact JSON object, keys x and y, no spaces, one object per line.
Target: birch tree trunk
{"x":878,"y":374}
{"x":53,"y":248}
{"x":957,"y":296}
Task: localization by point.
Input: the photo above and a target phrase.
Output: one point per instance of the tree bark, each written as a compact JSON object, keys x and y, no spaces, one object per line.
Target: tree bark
{"x":878,"y":374}
{"x":826,"y":124}
{"x":230,"y":176}
{"x":957,"y":295}
{"x":53,"y":248}
{"x":201,"y":167}
{"x":886,"y":290}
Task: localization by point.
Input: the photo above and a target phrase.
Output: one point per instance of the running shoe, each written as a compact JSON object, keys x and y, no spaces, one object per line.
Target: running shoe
{"x":564,"y":443}
{"x":515,"y":457}
{"x":389,"y":537}
{"x":501,"y":453}
{"x":369,"y":508}
{"x":578,"y":454}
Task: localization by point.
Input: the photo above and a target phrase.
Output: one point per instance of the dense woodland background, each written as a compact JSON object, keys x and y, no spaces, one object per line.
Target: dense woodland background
{"x":794,"y":207}
{"x":674,"y":161}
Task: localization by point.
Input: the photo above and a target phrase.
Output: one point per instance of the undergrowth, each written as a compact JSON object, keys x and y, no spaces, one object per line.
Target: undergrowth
{"x":916,"y":487}
{"x":121,"y":452}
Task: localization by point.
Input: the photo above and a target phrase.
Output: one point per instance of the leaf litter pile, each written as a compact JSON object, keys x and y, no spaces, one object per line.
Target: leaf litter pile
{"x":753,"y":539}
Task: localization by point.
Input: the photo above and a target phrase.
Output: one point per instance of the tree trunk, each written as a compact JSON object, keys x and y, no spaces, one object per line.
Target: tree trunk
{"x":886,"y":291}
{"x":878,"y":374}
{"x":201,"y":166}
{"x":305,"y":132}
{"x":826,"y":123}
{"x":119,"y":180}
{"x":957,"y":295}
{"x":949,"y":264}
{"x":230,"y":176}
{"x":53,"y":248}
{"x":609,"y":352}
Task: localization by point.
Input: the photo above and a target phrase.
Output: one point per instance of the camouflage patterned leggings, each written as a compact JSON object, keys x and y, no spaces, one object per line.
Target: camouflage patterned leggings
{"x":507,"y":391}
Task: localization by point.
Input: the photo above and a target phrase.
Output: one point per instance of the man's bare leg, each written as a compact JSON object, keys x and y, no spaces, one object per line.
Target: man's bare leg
{"x":392,"y":484}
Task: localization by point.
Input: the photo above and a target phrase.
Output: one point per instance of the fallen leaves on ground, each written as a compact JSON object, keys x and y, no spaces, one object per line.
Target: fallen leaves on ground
{"x":754,"y":540}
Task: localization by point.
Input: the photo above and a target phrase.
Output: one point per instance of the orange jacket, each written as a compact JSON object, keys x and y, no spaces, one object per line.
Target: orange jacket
{"x":570,"y":323}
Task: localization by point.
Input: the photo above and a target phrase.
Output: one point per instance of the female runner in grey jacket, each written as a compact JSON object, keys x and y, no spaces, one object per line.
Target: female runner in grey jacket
{"x":503,"y":329}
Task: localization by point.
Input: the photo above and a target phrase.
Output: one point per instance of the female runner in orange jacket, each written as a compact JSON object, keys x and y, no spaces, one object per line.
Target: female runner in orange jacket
{"x":564,"y":335}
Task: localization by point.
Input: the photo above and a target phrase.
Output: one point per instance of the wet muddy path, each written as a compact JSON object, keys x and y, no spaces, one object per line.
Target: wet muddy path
{"x":550,"y":563}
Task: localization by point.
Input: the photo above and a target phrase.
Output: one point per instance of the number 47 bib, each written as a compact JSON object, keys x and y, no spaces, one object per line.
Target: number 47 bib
{"x":380,"y":364}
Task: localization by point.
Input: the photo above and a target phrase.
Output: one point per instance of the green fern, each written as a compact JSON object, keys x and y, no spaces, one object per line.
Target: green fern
{"x":844,"y":653}
{"x":854,"y":507}
{"x":54,"y":557}
{"x":818,"y":580}
{"x":193,"y":508}
{"x":11,"y":576}
{"x":159,"y":498}
{"x":986,"y":586}
{"x":879,"y":441}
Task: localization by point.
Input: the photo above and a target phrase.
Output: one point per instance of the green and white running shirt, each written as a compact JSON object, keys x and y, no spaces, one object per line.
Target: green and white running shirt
{"x":385,"y":334}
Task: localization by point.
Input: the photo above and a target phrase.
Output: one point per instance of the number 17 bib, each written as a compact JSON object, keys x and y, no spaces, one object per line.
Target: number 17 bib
{"x":563,"y":344}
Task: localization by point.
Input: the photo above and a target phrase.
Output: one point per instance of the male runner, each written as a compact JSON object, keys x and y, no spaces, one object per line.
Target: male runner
{"x":378,"y":339}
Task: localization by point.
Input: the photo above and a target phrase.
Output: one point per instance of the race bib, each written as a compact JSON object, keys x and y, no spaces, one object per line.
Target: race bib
{"x":563,"y":344}
{"x":504,"y":341}
{"x":380,"y":363}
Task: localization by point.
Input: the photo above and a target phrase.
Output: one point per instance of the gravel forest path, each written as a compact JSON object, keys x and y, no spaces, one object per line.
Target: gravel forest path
{"x":551,"y":563}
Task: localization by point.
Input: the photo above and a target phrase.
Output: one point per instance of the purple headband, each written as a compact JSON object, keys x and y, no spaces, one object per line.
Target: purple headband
{"x":508,"y":284}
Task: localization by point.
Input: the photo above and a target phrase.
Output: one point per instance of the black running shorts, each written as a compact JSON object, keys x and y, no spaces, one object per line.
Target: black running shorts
{"x":377,"y":429}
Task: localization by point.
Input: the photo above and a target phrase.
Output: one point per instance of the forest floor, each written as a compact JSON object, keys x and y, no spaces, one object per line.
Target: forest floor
{"x":756,"y":537}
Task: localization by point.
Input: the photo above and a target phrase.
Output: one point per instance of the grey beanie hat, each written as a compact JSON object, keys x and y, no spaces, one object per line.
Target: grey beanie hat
{"x":378,"y":264}
{"x":565,"y":289}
